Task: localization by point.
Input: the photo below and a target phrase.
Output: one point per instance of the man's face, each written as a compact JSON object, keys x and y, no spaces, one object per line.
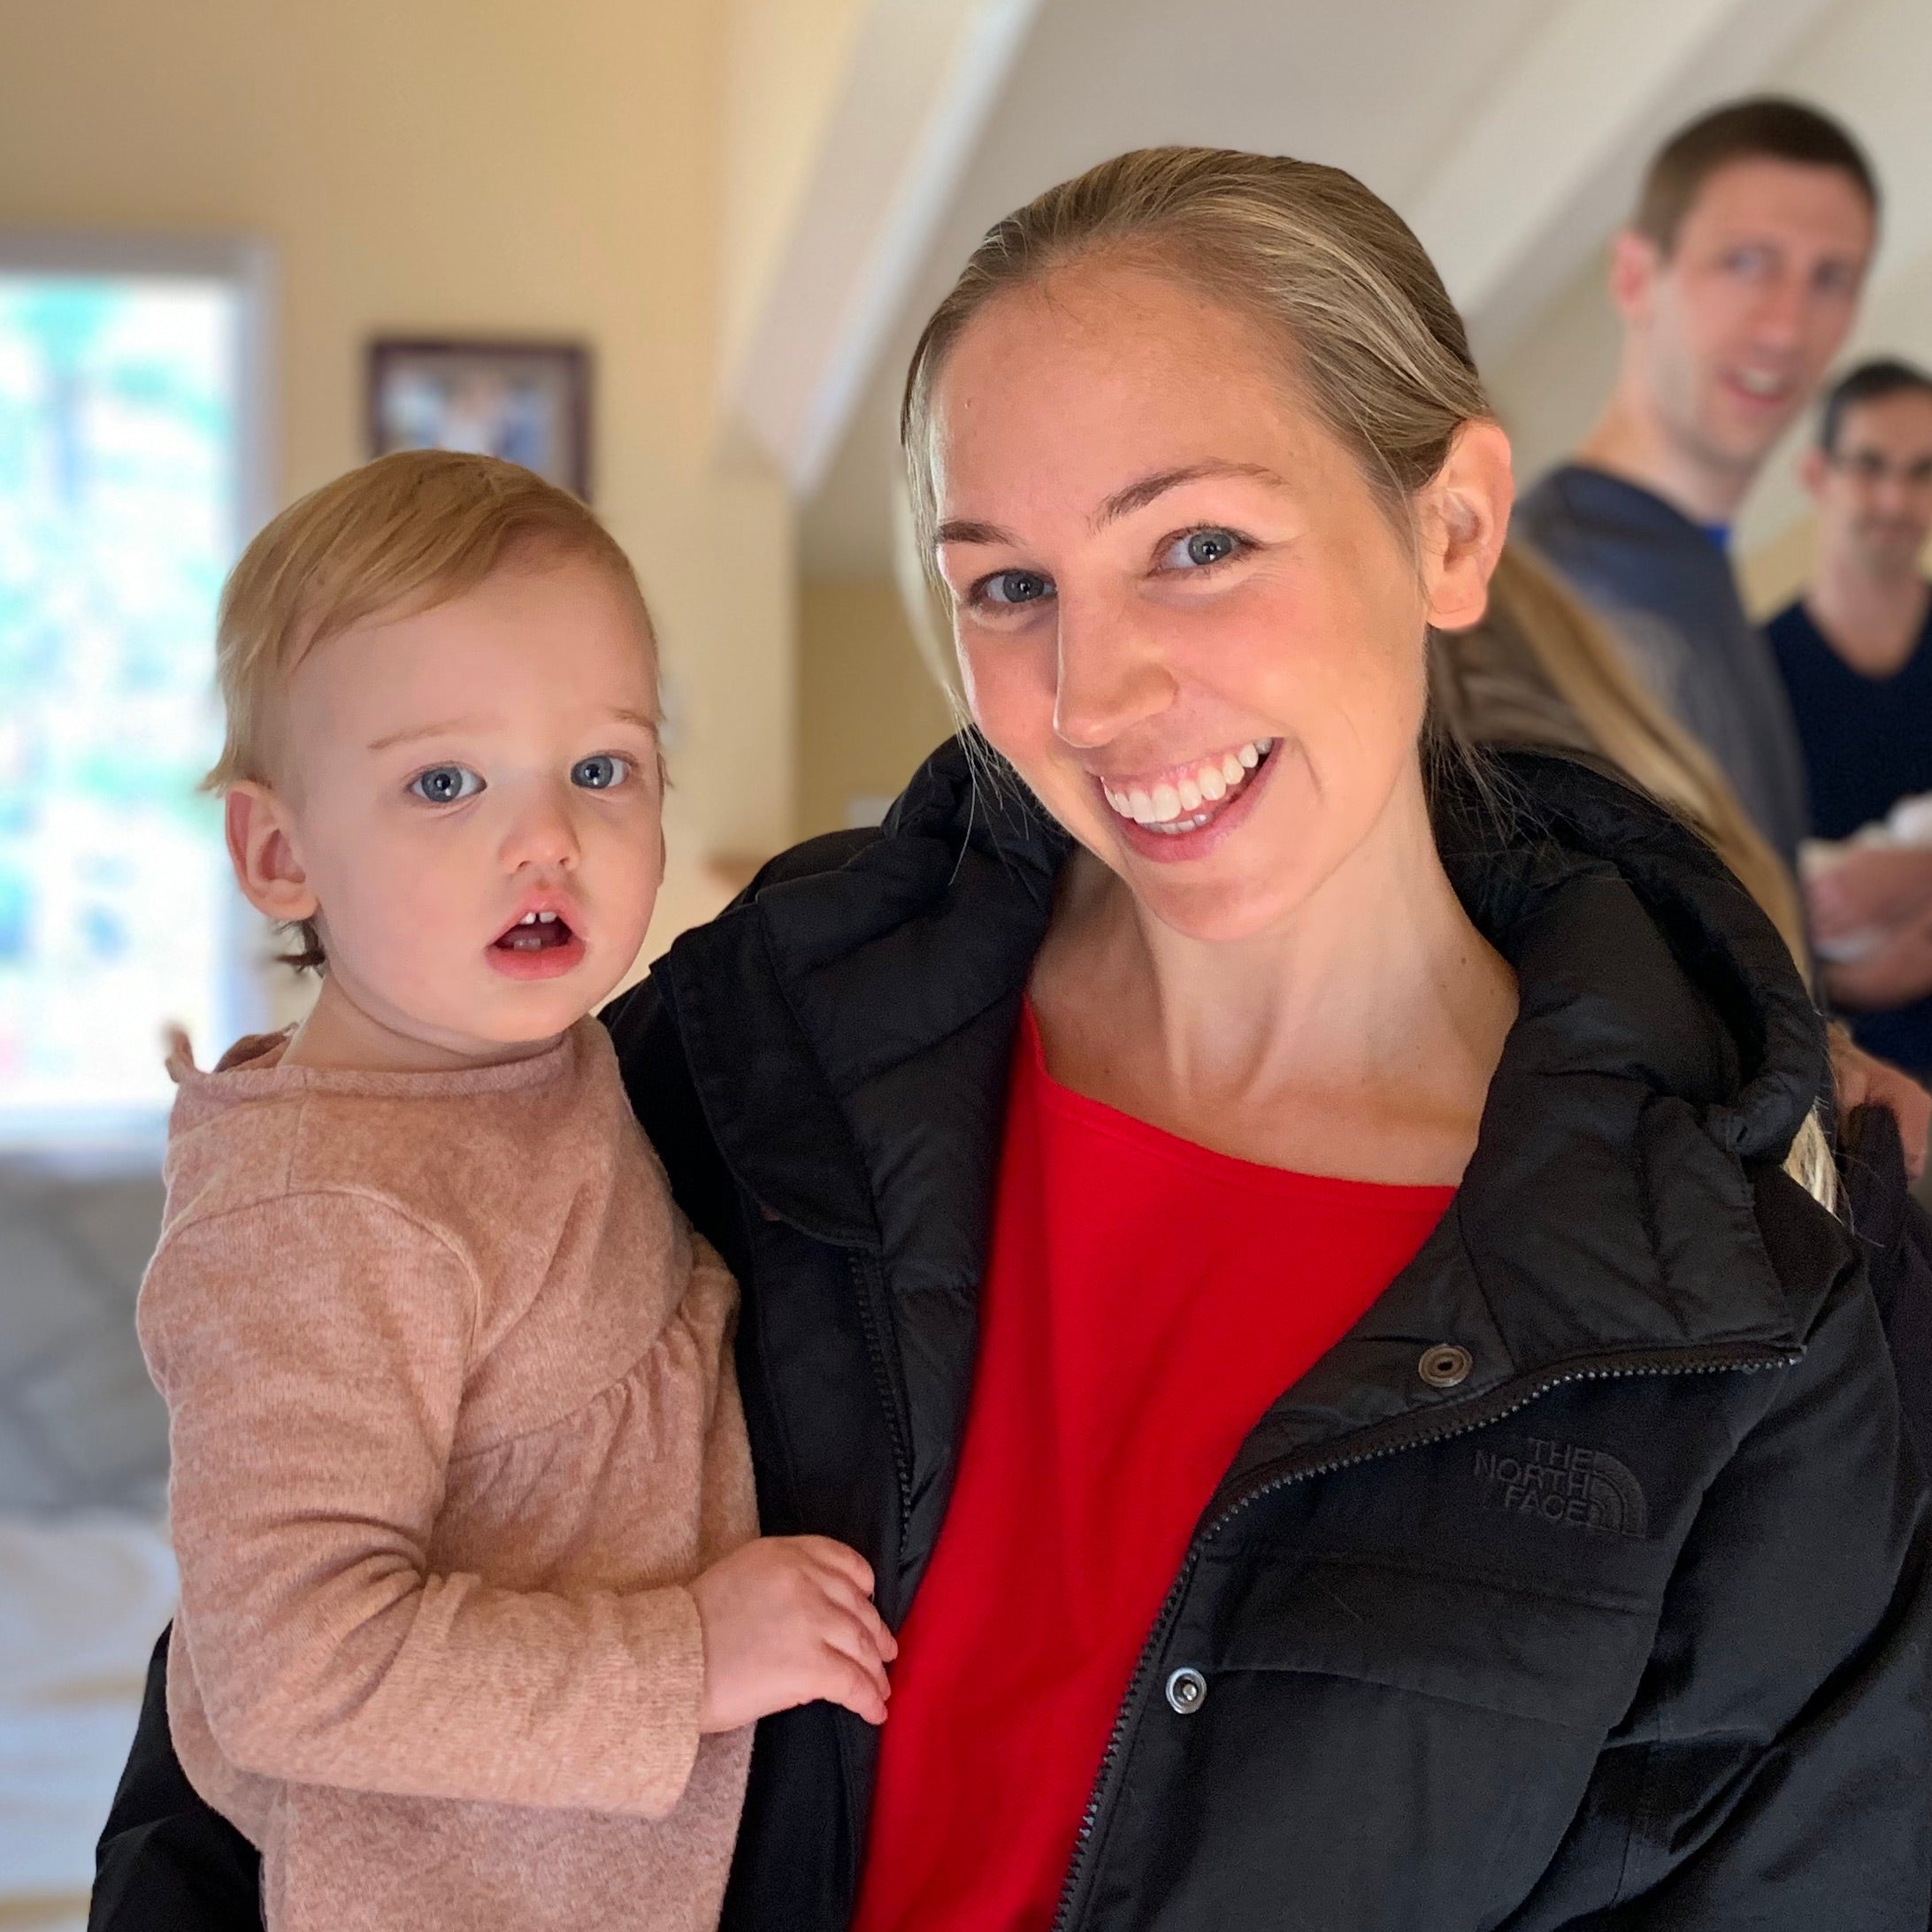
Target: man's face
{"x":1873,"y":491}
{"x":1735,"y":328}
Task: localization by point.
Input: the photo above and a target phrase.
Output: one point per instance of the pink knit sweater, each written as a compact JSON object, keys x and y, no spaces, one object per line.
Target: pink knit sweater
{"x":453,"y":1421}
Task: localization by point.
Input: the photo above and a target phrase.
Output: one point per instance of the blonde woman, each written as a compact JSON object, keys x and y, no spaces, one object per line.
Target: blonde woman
{"x":1289,"y":1279}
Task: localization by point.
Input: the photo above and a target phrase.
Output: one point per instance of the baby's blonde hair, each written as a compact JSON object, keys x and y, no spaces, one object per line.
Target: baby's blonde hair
{"x":402,"y":534}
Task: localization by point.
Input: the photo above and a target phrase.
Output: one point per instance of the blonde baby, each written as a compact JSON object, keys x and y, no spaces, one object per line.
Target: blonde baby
{"x":474,"y":1616}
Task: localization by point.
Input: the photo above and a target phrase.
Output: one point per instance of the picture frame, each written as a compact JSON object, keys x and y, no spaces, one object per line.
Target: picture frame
{"x":528,"y":401}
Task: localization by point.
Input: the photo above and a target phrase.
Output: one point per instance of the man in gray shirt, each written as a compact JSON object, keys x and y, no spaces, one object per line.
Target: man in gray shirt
{"x":1737,"y":280}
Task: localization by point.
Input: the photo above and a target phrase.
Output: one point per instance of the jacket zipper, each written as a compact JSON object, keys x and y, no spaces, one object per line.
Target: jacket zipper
{"x":875,"y":1317}
{"x":1438,"y":1425}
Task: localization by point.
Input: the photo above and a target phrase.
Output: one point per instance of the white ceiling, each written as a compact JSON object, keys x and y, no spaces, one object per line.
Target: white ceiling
{"x":1510,"y":131}
{"x":1095,"y":77}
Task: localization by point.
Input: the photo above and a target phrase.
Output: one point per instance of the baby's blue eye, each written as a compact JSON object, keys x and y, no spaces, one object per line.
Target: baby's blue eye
{"x":1200,"y":548}
{"x":446,"y":783}
{"x":599,"y":773}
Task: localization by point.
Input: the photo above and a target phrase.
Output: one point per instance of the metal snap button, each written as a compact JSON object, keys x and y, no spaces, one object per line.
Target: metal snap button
{"x":1445,"y":1365}
{"x":1187,"y":1690}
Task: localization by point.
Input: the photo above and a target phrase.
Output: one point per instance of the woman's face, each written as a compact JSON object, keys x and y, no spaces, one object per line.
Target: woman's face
{"x":1180,"y":612}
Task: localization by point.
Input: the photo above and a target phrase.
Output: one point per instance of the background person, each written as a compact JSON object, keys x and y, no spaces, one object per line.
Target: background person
{"x":1736,"y":282}
{"x":1855,"y":651}
{"x":1286,"y":1275}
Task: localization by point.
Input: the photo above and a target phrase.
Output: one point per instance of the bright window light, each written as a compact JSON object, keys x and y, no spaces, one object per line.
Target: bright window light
{"x":119,"y":505}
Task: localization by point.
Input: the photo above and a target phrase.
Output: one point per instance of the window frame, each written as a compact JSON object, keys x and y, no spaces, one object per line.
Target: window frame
{"x":93,"y":1139}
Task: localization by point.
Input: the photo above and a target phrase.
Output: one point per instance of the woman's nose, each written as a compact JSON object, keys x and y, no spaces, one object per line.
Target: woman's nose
{"x":1112,"y":676}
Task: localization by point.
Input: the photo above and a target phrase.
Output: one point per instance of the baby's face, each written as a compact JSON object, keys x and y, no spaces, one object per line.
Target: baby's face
{"x":474,"y":796}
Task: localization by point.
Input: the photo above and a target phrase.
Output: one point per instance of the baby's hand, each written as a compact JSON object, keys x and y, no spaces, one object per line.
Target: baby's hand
{"x":786,"y":1621}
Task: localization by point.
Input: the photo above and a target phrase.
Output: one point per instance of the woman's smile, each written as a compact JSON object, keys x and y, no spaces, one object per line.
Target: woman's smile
{"x":1187,"y":810}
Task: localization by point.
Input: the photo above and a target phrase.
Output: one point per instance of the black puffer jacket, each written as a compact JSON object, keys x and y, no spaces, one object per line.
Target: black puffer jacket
{"x":1582,"y":1584}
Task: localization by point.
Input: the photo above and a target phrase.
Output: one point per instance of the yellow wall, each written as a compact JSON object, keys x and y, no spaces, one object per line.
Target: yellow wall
{"x":1773,"y":573}
{"x":868,"y":710}
{"x":484,"y":167}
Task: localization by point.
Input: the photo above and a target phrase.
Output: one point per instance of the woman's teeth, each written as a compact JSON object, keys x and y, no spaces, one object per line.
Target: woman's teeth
{"x":1177,"y":806}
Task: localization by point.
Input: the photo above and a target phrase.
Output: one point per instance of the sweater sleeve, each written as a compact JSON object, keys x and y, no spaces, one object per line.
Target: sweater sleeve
{"x":313,"y":1350}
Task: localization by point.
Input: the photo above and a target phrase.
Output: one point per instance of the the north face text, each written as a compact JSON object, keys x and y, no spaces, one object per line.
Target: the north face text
{"x":1562,"y":1483}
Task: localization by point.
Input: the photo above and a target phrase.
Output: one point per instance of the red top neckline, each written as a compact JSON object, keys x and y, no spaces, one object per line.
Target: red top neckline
{"x":1336,"y":1191}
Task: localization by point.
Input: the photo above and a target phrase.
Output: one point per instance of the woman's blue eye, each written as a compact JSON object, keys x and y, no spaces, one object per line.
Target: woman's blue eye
{"x":1016,"y":587}
{"x":1200,"y":548}
{"x":599,"y":773}
{"x":446,"y":783}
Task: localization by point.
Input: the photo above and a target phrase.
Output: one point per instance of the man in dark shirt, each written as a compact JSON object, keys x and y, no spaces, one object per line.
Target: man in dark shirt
{"x":1856,"y":655}
{"x":1737,"y":280}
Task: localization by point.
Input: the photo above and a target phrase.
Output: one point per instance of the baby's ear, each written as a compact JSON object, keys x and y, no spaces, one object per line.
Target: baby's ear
{"x":261,"y":844}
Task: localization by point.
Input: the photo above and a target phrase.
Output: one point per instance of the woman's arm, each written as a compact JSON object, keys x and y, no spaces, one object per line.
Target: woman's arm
{"x":1780,"y":1778}
{"x":166,"y":1861}
{"x":313,"y":1350}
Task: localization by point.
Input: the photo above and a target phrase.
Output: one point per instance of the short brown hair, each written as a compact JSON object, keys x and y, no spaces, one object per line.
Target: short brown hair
{"x":407,"y":532}
{"x":1869,"y":382}
{"x":1764,"y":127}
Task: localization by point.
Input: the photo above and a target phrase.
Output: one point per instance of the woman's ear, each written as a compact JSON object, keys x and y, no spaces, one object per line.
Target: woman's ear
{"x":261,"y":844}
{"x":1466,"y":509}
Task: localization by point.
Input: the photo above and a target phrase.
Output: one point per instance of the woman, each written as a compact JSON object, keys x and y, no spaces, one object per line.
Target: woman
{"x":1288,"y":1278}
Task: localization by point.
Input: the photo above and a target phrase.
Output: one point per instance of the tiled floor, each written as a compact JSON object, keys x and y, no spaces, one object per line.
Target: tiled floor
{"x":79,"y":1425}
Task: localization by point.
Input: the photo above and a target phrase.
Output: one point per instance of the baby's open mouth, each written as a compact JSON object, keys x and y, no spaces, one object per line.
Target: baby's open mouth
{"x":536,"y":932}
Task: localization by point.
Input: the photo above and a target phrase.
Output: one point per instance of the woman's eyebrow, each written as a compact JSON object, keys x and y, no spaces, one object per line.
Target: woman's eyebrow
{"x":1138,"y":495}
{"x":962,"y":531}
{"x":1122,"y":503}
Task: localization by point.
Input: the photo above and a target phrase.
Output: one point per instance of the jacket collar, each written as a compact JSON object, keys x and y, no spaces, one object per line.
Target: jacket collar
{"x":1665,"y":1045}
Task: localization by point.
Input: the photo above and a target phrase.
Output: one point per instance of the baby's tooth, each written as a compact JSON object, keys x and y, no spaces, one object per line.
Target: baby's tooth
{"x":1141,"y":807}
{"x":1189,"y":795}
{"x":1212,"y":786}
{"x":1167,"y":804}
{"x":1248,"y":756}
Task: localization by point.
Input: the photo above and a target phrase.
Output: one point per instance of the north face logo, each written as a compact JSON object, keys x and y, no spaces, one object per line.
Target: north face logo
{"x":1562,"y":1483}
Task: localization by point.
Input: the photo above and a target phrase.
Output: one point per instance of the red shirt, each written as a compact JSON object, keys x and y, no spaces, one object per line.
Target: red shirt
{"x":1146,"y":1302}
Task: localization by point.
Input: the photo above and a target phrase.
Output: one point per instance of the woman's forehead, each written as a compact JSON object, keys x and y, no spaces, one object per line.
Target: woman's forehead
{"x":1083,"y":387}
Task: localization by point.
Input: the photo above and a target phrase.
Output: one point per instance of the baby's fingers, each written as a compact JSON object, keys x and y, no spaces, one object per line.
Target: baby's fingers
{"x":849,"y":1682}
{"x":852,"y":1640}
{"x":839,"y":1559}
{"x":864,"y":1612}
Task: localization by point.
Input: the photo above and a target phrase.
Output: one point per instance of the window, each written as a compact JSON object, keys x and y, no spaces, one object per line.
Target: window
{"x":126,"y":480}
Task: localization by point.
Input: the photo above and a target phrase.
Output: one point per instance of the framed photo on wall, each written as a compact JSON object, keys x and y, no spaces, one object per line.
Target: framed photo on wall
{"x":527,"y":402}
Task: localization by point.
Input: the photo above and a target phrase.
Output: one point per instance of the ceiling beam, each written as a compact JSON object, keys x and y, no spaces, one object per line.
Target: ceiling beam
{"x":918,"y":79}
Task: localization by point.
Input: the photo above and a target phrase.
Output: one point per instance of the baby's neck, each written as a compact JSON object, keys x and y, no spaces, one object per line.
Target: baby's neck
{"x":342,"y":1034}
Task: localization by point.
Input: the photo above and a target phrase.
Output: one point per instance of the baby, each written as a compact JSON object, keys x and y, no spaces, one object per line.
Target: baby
{"x":474,"y":1617}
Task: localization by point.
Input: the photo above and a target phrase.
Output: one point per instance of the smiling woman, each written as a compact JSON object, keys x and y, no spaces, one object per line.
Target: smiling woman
{"x":1186,"y":1159}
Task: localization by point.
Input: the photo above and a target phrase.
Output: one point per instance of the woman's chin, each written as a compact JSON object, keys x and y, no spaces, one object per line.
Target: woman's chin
{"x":1217,"y":911}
